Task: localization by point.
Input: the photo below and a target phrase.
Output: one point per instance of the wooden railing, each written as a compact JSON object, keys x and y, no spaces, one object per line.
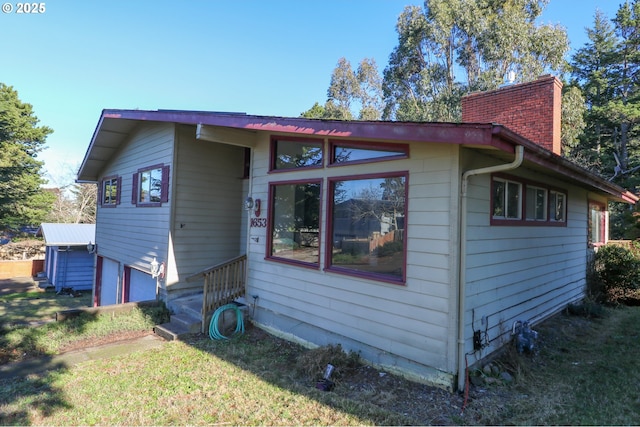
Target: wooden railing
{"x":223,"y":283}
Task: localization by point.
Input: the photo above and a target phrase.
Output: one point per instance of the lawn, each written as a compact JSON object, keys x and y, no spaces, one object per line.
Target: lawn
{"x":27,"y":307}
{"x":585,"y":372}
{"x":21,"y":312}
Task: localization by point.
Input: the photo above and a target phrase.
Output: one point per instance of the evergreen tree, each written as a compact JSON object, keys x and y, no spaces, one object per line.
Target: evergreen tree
{"x":22,"y":200}
{"x":606,"y":69}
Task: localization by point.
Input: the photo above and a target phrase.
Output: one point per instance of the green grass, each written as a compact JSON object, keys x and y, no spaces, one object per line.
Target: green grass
{"x":584,"y":373}
{"x":239,"y":382}
{"x":28,"y":307}
{"x":17,"y":338}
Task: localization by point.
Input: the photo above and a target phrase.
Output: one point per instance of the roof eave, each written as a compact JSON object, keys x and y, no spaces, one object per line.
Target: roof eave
{"x":545,"y":158}
{"x":471,"y":134}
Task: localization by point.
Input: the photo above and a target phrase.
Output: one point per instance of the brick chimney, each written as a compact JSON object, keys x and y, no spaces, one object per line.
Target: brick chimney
{"x":531,"y":109}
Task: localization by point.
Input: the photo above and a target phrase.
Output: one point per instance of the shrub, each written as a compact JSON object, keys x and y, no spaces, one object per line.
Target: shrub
{"x":390,"y":248}
{"x":617,"y":270}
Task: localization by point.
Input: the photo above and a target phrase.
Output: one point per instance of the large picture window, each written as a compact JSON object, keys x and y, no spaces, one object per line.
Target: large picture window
{"x":150,"y":186}
{"x":295,"y":222}
{"x":367,"y":226}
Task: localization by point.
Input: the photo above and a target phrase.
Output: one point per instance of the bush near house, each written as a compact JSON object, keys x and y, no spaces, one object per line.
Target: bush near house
{"x":616,"y":274}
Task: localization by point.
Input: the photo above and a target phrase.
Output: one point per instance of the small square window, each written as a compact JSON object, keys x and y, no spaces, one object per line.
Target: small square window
{"x":507,"y":196}
{"x":110,"y":191}
{"x":150,"y":189}
{"x":150,"y":186}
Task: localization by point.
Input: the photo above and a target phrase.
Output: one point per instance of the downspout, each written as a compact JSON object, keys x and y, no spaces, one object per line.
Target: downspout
{"x":462,"y":266}
{"x":94,"y":278}
{"x":249,"y":193}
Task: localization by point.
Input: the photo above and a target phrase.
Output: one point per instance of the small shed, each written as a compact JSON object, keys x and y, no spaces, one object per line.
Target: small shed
{"x":68,"y":262}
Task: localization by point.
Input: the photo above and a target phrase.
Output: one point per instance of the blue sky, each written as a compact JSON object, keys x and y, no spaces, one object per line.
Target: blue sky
{"x":267,"y":57}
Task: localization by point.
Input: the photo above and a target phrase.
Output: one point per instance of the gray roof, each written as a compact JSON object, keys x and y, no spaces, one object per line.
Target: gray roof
{"x":67,"y":234}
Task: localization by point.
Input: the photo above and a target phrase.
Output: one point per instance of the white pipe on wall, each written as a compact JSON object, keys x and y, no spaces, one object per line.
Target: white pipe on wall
{"x":517,"y":161}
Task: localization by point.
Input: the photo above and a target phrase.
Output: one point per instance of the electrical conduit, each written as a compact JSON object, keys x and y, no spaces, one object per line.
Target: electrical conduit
{"x":517,"y":161}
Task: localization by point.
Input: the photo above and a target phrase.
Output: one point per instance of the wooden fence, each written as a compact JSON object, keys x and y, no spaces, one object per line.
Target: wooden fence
{"x":22,"y":268}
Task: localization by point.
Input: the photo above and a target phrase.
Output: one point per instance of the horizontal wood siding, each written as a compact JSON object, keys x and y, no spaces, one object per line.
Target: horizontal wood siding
{"x":521,"y":272}
{"x":410,"y":322}
{"x":209,"y":204}
{"x":74,"y":269}
{"x":130,"y":234}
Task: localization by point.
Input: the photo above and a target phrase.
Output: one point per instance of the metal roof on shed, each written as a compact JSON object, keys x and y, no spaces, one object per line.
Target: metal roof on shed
{"x":67,"y":234}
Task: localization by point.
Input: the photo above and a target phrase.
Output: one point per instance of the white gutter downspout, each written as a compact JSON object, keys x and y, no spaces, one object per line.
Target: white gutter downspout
{"x":517,"y":161}
{"x":249,"y":193}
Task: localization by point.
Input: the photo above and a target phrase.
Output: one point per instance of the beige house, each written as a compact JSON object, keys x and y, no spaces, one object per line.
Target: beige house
{"x":416,"y":244}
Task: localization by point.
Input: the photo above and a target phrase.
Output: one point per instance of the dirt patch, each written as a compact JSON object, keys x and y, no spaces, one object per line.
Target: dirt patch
{"x":109,"y":339}
{"x":425,"y":404}
{"x":420,"y":403}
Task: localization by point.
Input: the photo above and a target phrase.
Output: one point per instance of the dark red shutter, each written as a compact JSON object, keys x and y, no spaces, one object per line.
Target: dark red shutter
{"x":164,"y":195}
{"x":119,"y":190}
{"x":134,"y":189}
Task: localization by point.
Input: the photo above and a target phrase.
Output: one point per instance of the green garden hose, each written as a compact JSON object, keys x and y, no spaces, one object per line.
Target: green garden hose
{"x":214,"y":333}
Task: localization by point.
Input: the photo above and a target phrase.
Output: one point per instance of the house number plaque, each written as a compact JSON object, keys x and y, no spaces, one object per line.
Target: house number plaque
{"x":258,"y":222}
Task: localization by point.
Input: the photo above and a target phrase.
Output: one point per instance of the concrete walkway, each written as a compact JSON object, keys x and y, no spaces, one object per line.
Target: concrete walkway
{"x":72,"y":358}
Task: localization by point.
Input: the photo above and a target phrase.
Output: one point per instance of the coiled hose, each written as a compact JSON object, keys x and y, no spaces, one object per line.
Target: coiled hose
{"x":214,"y":332}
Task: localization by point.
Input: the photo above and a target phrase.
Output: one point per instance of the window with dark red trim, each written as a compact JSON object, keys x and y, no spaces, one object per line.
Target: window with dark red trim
{"x":109,"y":191}
{"x":349,"y":152}
{"x":557,"y":206}
{"x":515,"y":201}
{"x":294,"y":219}
{"x":366,"y":214}
{"x":598,"y":223}
{"x":289,"y":153}
{"x":366,"y":226}
{"x":150,"y":186}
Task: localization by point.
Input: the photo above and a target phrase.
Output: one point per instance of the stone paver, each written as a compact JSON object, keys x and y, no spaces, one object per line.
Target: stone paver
{"x":72,"y":358}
